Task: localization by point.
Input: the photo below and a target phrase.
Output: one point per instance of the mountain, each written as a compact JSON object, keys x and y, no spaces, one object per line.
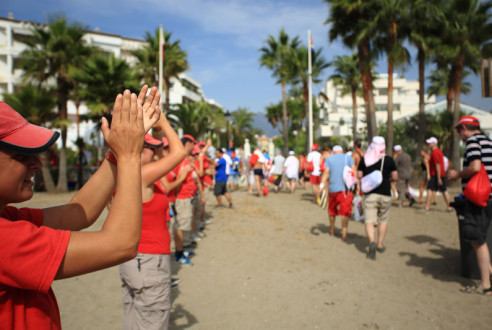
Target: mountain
{"x":260,"y":121}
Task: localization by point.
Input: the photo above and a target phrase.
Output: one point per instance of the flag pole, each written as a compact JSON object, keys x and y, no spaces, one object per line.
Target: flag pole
{"x":161,"y":42}
{"x":310,"y":87}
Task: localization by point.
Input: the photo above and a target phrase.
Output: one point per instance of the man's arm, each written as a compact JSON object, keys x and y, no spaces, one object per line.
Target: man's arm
{"x":118,"y":239}
{"x":467,"y":172}
{"x":88,"y":203}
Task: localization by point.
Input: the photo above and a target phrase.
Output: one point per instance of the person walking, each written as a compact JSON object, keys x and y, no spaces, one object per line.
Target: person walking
{"x":404,"y":166}
{"x":220,"y":187}
{"x":437,"y":180}
{"x":313,"y":169}
{"x":478,"y":153}
{"x":377,"y":193}
{"x":277,"y":170}
{"x":291,"y":171}
{"x":339,"y":196}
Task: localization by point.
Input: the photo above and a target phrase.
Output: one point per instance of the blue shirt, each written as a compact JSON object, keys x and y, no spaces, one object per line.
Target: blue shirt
{"x":235,"y":162}
{"x":220,"y":171}
{"x":336,"y":163}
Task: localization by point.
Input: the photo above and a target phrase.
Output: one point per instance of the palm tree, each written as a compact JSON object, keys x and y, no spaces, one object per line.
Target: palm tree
{"x":48,"y":56}
{"x":195,"y":118}
{"x":175,"y":61}
{"x":439,"y":84}
{"x":422,"y":32}
{"x":37,"y":105}
{"x":275,"y":56}
{"x":465,"y":39}
{"x":243,"y":125}
{"x":389,"y":22}
{"x":349,"y":21}
{"x":298,"y":63}
{"x":101,"y":78}
{"x":347,"y":75}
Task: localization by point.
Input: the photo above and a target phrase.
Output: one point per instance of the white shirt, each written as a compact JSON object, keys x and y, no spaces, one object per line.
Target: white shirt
{"x":278,"y":164}
{"x":291,"y":166}
{"x":228,"y":160}
{"x":316,"y":158}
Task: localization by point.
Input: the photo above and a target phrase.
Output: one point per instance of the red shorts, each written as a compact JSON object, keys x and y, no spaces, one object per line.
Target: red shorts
{"x":315,"y":179}
{"x":340,"y":203}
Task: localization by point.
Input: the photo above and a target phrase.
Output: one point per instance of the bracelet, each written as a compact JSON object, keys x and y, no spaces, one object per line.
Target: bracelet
{"x":111,"y":157}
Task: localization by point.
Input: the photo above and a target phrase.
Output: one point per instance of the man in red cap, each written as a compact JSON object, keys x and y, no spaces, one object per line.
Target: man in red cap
{"x":314,"y":158}
{"x":478,"y":151}
{"x":185,"y":196}
{"x":41,"y":245}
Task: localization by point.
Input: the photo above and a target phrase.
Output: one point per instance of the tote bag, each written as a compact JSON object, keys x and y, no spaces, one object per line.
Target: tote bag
{"x":478,"y":189}
{"x":372,"y":180}
{"x":349,"y":175}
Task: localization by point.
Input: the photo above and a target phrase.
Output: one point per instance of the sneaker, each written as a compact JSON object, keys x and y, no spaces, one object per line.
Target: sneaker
{"x":208,"y":221}
{"x":184,"y":261}
{"x":174,"y":285}
{"x":371,"y":254}
{"x":231,"y":206}
{"x":201,"y":234}
{"x":423,"y":211}
{"x":192,"y":245}
{"x":188,"y":253}
{"x":196,"y":238}
{"x":175,"y":280}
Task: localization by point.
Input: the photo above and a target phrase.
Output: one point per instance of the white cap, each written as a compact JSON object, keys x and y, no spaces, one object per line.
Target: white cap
{"x":397,"y":147}
{"x":337,"y":148}
{"x":431,"y":140}
{"x":378,"y":139}
{"x":292,"y":152}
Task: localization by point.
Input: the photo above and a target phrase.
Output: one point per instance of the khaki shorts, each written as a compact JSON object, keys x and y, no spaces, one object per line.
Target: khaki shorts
{"x":376,"y":208}
{"x":146,"y":290}
{"x":184,"y":213}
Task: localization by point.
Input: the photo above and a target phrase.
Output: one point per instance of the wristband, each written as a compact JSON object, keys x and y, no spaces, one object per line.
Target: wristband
{"x":321,"y":186}
{"x":111,"y":157}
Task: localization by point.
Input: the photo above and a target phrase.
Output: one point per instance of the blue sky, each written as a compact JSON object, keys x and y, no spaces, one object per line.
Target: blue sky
{"x":222,"y":38}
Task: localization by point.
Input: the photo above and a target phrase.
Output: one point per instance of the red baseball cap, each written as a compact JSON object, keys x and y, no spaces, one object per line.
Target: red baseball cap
{"x":202,"y":144}
{"x":19,"y":136}
{"x":315,"y":146}
{"x":151,"y":142}
{"x":165,"y":142}
{"x":468,"y":120}
{"x":189,"y":137}
{"x":196,"y":150}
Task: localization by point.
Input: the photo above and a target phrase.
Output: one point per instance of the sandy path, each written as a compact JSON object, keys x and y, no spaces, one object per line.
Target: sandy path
{"x":270,"y":264}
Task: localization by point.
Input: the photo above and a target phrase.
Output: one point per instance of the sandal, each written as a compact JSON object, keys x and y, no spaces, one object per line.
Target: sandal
{"x":470,"y":288}
{"x":476,"y":289}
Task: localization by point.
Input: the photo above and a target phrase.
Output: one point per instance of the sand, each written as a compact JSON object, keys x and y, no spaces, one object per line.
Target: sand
{"x":270,"y":263}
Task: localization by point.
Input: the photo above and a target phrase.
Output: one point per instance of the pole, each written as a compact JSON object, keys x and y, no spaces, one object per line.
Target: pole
{"x":310,"y":89}
{"x":161,"y":43}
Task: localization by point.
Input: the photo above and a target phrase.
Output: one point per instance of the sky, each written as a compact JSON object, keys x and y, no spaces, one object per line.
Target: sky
{"x":222,"y":38}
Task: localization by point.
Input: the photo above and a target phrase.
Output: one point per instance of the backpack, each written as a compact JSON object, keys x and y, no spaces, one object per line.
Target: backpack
{"x":253,"y":159}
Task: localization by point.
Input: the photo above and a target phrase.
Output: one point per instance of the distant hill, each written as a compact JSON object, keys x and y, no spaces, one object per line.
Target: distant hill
{"x":261,"y":122}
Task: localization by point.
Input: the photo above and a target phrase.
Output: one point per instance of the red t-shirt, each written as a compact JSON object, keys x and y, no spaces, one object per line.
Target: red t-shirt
{"x":188,"y":187}
{"x":155,"y":238}
{"x":205,"y":179}
{"x":30,"y":257}
{"x":436,"y":157}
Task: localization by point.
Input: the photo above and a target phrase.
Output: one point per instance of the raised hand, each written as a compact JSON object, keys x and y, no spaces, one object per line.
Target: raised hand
{"x":126,"y":135}
{"x":150,"y":106}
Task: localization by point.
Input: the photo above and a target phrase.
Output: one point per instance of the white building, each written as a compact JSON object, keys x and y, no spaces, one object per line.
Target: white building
{"x":336,"y":112}
{"x":184,"y":90}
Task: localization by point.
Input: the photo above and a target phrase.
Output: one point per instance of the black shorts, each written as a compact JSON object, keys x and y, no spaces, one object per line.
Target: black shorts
{"x":259,"y":172}
{"x":476,"y":222}
{"x":432,"y":184}
{"x":220,"y":188}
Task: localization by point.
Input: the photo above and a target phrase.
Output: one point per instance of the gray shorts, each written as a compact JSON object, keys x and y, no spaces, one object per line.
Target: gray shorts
{"x":146,"y":290}
{"x":233,"y":178}
{"x":184,"y":213}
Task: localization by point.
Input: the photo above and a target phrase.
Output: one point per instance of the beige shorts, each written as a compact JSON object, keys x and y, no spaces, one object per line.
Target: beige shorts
{"x":184,"y":213}
{"x":376,"y":208}
{"x":146,"y":290}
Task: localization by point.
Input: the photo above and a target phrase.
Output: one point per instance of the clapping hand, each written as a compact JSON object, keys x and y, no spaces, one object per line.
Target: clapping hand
{"x":150,"y":106}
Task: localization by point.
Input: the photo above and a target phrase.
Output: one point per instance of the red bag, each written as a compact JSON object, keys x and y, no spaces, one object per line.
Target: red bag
{"x":478,"y":189}
{"x":310,"y":167}
{"x":265,"y":190}
{"x":253,"y":159}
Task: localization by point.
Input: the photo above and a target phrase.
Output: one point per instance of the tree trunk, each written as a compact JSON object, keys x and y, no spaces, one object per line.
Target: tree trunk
{"x":49,"y":185}
{"x":456,"y":117}
{"x":422,"y":129}
{"x":354,"y":113}
{"x":451,"y":87}
{"x":62,"y":96}
{"x":285,"y":121}
{"x":389,"y":138}
{"x":365,"y":71}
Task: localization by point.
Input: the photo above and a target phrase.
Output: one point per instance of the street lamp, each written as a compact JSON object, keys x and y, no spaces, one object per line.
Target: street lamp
{"x":227,"y":116}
